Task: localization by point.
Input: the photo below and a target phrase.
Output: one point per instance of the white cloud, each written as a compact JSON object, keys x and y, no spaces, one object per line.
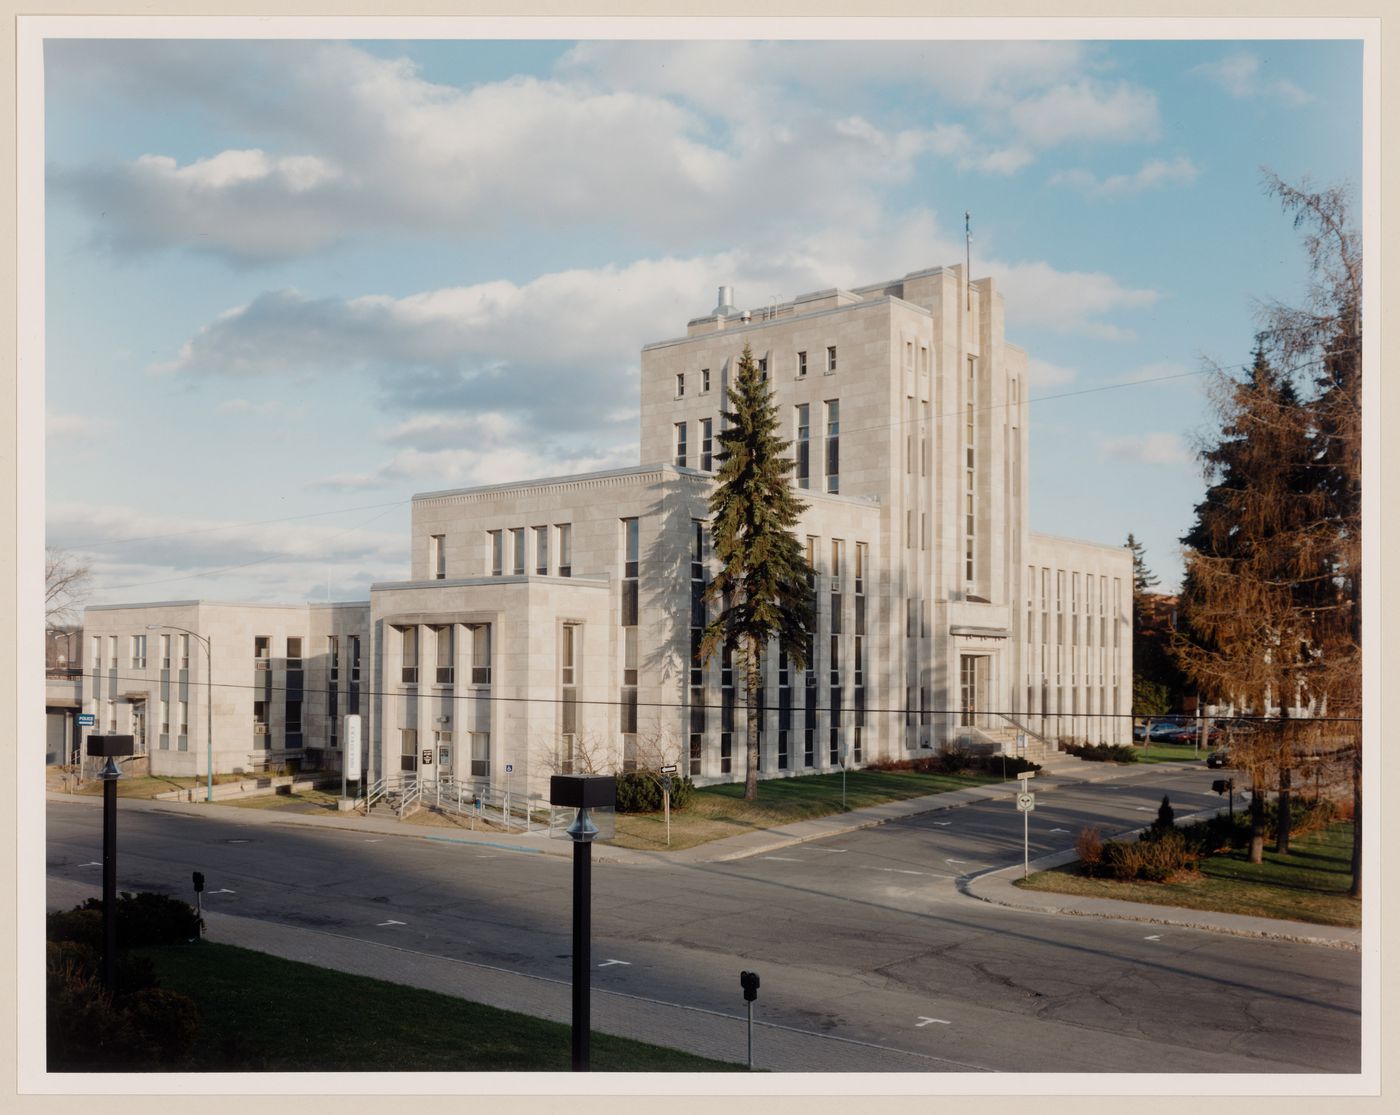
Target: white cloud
{"x":1239,"y":75}
{"x":246,"y":406}
{"x":1087,"y":110}
{"x":1152,"y":174}
{"x":1067,"y":301}
{"x":1045,"y":375}
{"x":59,"y":425}
{"x":1163,"y":448}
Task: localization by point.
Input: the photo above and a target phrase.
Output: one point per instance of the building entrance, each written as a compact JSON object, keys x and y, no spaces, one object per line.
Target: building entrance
{"x":973,"y":685}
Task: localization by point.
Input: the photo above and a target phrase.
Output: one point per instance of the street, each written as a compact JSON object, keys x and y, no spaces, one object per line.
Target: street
{"x":865,"y":937}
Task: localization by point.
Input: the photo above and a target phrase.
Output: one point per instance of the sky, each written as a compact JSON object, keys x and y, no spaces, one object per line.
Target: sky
{"x":290,"y":283}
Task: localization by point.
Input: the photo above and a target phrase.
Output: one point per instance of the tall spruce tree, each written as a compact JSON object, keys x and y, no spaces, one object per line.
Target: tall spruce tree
{"x":764,"y":580}
{"x":1256,"y":559}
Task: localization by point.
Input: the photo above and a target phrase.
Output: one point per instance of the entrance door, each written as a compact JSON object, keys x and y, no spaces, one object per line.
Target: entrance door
{"x":138,"y":726}
{"x":444,"y":750}
{"x":973,"y":685}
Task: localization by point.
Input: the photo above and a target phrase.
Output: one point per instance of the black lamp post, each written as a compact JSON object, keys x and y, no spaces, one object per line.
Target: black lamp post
{"x":583,"y":792}
{"x":109,"y":747}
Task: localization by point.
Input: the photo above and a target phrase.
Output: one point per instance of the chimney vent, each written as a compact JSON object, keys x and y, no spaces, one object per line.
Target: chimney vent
{"x":726,"y":301}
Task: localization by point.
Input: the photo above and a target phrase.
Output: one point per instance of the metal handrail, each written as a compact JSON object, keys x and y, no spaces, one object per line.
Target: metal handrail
{"x":1047,"y":744}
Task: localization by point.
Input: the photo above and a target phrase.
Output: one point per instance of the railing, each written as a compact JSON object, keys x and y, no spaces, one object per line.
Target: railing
{"x":474,"y":799}
{"x":1048,"y":745}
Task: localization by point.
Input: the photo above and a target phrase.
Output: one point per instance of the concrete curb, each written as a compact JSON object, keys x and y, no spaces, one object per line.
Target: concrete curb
{"x":996,"y":887}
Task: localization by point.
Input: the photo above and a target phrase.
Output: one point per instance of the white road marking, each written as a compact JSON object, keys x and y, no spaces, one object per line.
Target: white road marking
{"x":943,"y":824}
{"x":955,"y":861}
{"x":240,"y":841}
{"x":223,"y":890}
{"x":1059,"y":830}
{"x":374,"y":840}
{"x":899,"y":870}
{"x":1154,"y":937}
{"x":785,"y":859}
{"x":391,"y":921}
{"x":624,"y":963}
{"x":926,"y":1021}
{"x":1142,"y":809}
{"x":829,"y":851}
{"x":91,"y":863}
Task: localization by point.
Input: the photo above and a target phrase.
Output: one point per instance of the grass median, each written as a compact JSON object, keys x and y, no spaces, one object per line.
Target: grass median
{"x":716,"y":812}
{"x":261,"y":1013}
{"x":1309,"y":884}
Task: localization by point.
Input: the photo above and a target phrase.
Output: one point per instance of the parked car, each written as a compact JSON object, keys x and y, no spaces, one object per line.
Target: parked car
{"x":1220,"y":757}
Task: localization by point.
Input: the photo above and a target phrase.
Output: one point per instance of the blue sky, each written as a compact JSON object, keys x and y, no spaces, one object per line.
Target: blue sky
{"x":291,"y":283}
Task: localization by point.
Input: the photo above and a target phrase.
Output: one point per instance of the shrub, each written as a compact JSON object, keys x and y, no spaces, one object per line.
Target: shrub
{"x":142,"y":920}
{"x":166,"y":1021}
{"x":1166,"y":816}
{"x":952,"y":759}
{"x":1100,"y":752}
{"x":1011,"y":764}
{"x":1122,"y":860}
{"x":640,"y":792}
{"x":1089,"y":845}
{"x":1163,"y":855}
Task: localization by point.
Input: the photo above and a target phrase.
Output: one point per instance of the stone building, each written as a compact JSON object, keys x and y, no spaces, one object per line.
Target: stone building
{"x":550,"y":624}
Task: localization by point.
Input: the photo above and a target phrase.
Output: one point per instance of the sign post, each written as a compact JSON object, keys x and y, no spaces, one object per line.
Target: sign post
{"x":666,"y":773}
{"x":350,"y":757}
{"x":1025,"y":802}
{"x":510,"y":768}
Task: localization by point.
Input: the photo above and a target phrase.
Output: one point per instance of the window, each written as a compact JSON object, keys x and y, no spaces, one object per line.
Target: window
{"x":138,"y":652}
{"x":707,"y":444}
{"x":833,"y":444}
{"x":830,"y":359}
{"x":333,"y":657}
{"x":801,"y":365}
{"x":184,"y":718}
{"x":726,"y":752}
{"x":517,"y":550}
{"x":184,"y":652}
{"x":564,"y":533}
{"x":293,"y":718}
{"x":835,"y":661}
{"x":629,"y":655}
{"x":697,"y":550}
{"x":680,"y":385}
{"x":632,"y":544}
{"x":704,"y":380}
{"x":262,"y":651}
{"x":294,"y":652}
{"x":542,"y":551}
{"x":165,"y":652}
{"x":782,"y":749}
{"x":481,"y":653}
{"x":165,"y":719}
{"x":680,"y":445}
{"x":567,"y":650}
{"x":409,"y":650}
{"x":695,"y":752}
{"x":112,"y":710}
{"x":408,"y":749}
{"x":445,"y":639}
{"x":859,"y":663}
{"x":112,"y":652}
{"x":437,"y":556}
{"x":803,"y":457}
{"x":498,"y":552}
{"x":763,"y":369}
{"x":862,"y":559}
{"x":97,"y":652}
{"x":481,"y":754}
{"x":354,"y":659}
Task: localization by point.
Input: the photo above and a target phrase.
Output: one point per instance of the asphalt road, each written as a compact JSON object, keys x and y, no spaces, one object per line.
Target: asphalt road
{"x":863,"y":936}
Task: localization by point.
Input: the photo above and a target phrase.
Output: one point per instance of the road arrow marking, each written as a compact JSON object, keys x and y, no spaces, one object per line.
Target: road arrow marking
{"x":223,"y":890}
{"x":944,"y":824}
{"x":91,"y":863}
{"x":624,"y":963}
{"x":1154,"y":937}
{"x":1059,"y":830}
{"x":391,"y":921}
{"x":926,"y":1021}
{"x":955,"y":861}
{"x":374,"y":840}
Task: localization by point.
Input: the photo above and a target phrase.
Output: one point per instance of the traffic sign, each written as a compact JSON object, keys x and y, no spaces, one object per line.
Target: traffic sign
{"x":509,"y":767}
{"x":1025,"y":802}
{"x":87,"y":720}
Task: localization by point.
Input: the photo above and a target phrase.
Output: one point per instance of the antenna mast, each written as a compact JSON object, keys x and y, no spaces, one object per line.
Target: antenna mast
{"x":967,"y":272}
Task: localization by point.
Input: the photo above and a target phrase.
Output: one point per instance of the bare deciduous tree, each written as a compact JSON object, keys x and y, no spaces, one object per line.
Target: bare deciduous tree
{"x":67,"y":582}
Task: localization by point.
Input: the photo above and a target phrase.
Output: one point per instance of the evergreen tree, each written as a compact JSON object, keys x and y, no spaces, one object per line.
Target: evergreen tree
{"x":1157,"y":682}
{"x":764,"y":581}
{"x":1143,"y":578}
{"x":1255,"y":563}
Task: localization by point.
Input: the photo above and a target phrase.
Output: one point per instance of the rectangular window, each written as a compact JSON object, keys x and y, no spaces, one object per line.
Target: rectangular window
{"x":629,"y":655}
{"x":409,"y":651}
{"x":481,"y":754}
{"x":481,"y":653}
{"x":408,"y":749}
{"x":262,"y":651}
{"x":697,"y":550}
{"x":696,"y":748}
{"x":830,"y":359}
{"x":333,"y":657}
{"x":517,"y":551}
{"x":704,"y":380}
{"x":97,"y":652}
{"x":437,"y":556}
{"x":835,"y":661}
{"x":138,"y":652}
{"x":165,"y":718}
{"x":763,"y":369}
{"x":293,"y":718}
{"x":541,"y":551}
{"x":707,"y":444}
{"x":112,"y":651}
{"x":782,"y":749}
{"x":801,"y":365}
{"x":680,"y":385}
{"x":833,"y":444}
{"x":726,"y":752}
{"x":354,"y":659}
{"x":183,"y":725}
{"x":444,"y":638}
{"x":809,"y":746}
{"x":632,"y":547}
{"x":564,"y":536}
{"x":567,"y":637}
{"x":294,"y":652}
{"x":802,"y":456}
{"x":184,"y":652}
{"x":165,"y":652}
{"x":498,"y":552}
{"x":862,"y":559}
{"x":680,"y":445}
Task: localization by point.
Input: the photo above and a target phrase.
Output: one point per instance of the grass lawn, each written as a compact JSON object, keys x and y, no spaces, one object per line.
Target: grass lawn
{"x":1170,"y":753}
{"x":1309,"y":884}
{"x":719,"y":811}
{"x":303,"y":801}
{"x":260,"y":1013}
{"x":149,"y":785}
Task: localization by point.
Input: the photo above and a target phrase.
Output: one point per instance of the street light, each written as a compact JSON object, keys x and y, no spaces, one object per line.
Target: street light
{"x":208,"y":702}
